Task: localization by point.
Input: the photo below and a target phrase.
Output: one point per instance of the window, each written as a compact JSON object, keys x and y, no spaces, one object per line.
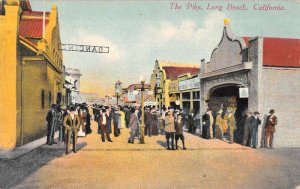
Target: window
{"x":43,"y":99}
{"x":186,"y":96}
{"x":196,"y":95}
{"x":50,"y":99}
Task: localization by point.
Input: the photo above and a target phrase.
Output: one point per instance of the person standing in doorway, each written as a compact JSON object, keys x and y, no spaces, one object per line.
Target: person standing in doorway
{"x":219,"y":128}
{"x":231,"y":124}
{"x":270,"y":129}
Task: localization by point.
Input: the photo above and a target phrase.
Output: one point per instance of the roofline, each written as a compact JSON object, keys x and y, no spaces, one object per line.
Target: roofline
{"x":28,"y":44}
{"x":162,"y":63}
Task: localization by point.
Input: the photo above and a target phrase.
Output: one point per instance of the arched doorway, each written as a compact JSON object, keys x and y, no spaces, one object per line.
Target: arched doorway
{"x":224,"y":96}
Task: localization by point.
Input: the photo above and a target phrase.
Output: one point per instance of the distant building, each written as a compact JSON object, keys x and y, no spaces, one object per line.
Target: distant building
{"x":255,"y":74}
{"x":132,"y":95}
{"x":89,"y":98}
{"x":166,"y":73}
{"x":73,"y":85}
{"x":189,"y":90}
{"x":31,"y":71}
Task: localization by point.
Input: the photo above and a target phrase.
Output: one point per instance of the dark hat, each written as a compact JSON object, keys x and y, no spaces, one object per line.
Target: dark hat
{"x":72,"y":108}
{"x":53,"y":106}
{"x":255,"y":113}
{"x":272,"y":111}
{"x":106,"y":107}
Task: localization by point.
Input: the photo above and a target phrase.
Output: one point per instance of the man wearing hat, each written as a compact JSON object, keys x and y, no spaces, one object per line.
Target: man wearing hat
{"x":51,"y":119}
{"x":207,"y":123}
{"x":270,"y":129}
{"x":248,"y":135}
{"x":179,"y":129}
{"x":104,"y":124}
{"x":170,"y":127}
{"x":148,"y":122}
{"x":72,"y":124}
{"x":254,"y":122}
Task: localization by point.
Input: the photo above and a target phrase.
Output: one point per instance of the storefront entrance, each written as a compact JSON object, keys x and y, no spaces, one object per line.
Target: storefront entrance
{"x":225,"y":96}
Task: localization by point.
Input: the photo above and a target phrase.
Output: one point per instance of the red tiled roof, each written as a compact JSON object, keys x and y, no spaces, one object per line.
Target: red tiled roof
{"x":32,"y":28}
{"x":281,"y":52}
{"x":31,"y":24}
{"x":174,"y":72}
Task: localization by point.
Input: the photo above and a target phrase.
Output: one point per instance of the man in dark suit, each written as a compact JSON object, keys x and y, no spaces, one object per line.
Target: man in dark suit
{"x":51,"y":119}
{"x":103,"y":122}
{"x":254,"y":122}
{"x":148,"y":122}
{"x":270,"y":129}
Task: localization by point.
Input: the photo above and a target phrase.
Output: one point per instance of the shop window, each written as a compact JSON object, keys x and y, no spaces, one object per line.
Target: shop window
{"x":43,"y":99}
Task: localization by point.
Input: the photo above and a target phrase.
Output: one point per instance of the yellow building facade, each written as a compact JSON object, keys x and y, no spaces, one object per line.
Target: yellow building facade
{"x":31,"y":72}
{"x":164,"y":80}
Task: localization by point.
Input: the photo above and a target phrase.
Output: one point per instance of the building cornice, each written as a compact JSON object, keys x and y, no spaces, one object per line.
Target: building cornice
{"x":235,"y":68}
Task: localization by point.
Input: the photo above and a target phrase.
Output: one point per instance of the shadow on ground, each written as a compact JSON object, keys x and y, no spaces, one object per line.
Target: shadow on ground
{"x":13,"y":172}
{"x":162,"y":143}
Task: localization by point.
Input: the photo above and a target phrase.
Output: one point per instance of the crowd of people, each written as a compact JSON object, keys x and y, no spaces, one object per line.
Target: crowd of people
{"x":167,"y":122}
{"x":75,"y":121}
{"x":223,"y":126}
{"x":70,"y":122}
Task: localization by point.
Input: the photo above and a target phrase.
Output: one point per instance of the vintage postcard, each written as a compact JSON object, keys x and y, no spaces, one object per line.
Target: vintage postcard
{"x":150,"y":94}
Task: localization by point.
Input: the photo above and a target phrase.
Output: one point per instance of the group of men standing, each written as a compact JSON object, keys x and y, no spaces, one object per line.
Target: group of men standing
{"x":224,"y":123}
{"x":70,"y":123}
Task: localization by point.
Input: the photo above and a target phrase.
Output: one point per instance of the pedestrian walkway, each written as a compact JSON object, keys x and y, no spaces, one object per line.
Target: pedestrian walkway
{"x":205,"y":164}
{"x":19,"y":151}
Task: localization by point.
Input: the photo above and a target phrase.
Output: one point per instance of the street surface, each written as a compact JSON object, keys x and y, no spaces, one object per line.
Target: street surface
{"x":205,"y":164}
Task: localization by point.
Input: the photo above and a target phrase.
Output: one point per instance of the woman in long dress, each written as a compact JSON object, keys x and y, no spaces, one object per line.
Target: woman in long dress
{"x":154,"y":123}
{"x":82,"y":115}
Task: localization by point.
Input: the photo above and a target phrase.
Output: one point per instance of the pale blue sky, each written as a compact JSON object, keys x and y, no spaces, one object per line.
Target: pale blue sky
{"x":140,"y":32}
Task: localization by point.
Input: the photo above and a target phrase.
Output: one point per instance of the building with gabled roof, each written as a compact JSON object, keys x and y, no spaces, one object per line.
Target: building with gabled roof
{"x":31,"y":71}
{"x":163,"y":74}
{"x":255,"y":74}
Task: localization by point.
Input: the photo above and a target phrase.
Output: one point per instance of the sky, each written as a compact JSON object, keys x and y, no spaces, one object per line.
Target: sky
{"x":141,"y":32}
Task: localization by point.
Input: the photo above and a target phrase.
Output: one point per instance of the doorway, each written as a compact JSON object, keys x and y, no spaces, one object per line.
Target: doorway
{"x":226,"y":96}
